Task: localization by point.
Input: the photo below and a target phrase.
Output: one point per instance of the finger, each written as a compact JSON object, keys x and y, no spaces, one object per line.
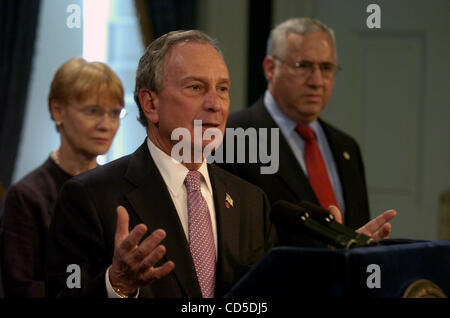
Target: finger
{"x":153,"y":258}
{"x":363,"y":230}
{"x":133,"y":239}
{"x":149,"y":244}
{"x":155,"y":273}
{"x":122,"y":225}
{"x":389,"y":215}
{"x":374,"y":225}
{"x":383,"y":233}
{"x":336,"y":213}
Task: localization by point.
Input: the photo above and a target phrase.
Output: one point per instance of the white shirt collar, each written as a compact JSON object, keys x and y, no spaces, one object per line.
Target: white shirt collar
{"x":174,"y":172}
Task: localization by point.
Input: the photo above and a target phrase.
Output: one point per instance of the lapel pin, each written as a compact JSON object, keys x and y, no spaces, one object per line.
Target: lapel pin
{"x":346,"y":155}
{"x":228,"y":201}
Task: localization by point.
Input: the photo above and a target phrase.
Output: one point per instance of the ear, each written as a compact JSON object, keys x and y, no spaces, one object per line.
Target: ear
{"x":56,"y":110}
{"x":269,"y":68}
{"x":150,"y":104}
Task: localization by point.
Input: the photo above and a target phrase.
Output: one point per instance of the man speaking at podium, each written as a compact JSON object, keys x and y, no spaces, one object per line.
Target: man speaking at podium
{"x":207,"y":227}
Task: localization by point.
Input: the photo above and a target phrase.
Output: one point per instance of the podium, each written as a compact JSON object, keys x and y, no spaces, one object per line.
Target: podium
{"x":369,"y":272}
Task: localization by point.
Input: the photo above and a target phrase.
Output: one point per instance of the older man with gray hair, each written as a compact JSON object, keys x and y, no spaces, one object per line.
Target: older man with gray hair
{"x":317,"y":162}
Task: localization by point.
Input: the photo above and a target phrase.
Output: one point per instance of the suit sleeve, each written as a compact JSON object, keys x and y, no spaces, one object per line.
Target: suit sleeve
{"x":76,"y":239}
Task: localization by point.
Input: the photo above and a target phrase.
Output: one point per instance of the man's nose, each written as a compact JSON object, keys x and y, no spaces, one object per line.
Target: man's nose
{"x":315,"y":78}
{"x":211,"y":101}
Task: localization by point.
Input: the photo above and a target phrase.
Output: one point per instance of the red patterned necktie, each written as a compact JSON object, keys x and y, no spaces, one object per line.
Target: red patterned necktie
{"x":317,"y":171}
{"x":201,"y":239}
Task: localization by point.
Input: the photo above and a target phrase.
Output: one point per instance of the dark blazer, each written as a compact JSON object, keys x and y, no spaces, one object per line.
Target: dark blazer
{"x":24,"y":229}
{"x":290,"y":183}
{"x":84,"y":224}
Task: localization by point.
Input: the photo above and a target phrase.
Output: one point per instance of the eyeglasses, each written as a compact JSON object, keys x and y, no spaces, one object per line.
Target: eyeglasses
{"x":95,"y":112}
{"x":306,"y":68}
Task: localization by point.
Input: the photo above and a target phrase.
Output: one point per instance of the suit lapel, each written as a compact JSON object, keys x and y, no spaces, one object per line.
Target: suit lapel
{"x":289,"y":170}
{"x":341,"y":153}
{"x":153,"y":205}
{"x":227,"y":215}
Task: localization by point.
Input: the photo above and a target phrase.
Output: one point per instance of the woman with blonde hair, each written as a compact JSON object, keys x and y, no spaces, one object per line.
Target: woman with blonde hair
{"x":86,"y":102}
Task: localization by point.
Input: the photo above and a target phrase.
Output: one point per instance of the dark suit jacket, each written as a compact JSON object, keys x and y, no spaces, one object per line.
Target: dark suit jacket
{"x":84,"y":224}
{"x":290,"y":183}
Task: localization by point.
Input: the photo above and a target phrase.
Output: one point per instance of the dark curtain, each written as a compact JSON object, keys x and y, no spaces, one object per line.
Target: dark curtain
{"x":18,"y":22}
{"x":158,"y":17}
{"x":260,"y":21}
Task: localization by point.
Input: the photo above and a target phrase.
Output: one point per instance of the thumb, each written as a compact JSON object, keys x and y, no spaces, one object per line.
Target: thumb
{"x":336,"y":213}
{"x":122,"y":225}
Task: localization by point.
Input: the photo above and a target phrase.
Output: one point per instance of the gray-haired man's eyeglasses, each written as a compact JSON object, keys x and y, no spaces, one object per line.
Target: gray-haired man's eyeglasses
{"x":305,"y":68}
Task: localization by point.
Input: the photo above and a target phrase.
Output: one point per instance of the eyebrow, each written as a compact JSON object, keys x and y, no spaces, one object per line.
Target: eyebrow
{"x":202,"y":79}
{"x":94,"y":105}
{"x":308,"y":61}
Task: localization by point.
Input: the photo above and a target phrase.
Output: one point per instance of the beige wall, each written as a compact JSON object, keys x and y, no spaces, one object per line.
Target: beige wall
{"x":227,"y":22}
{"x":391,"y":96}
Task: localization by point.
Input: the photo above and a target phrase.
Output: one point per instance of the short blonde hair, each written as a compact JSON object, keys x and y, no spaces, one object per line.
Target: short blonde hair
{"x":77,"y":78}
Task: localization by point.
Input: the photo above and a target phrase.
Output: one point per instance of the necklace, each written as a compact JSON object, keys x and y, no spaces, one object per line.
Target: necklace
{"x":55,"y":157}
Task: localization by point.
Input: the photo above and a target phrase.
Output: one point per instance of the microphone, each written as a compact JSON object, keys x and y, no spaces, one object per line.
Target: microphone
{"x":296,"y":218}
{"x":327,"y":219}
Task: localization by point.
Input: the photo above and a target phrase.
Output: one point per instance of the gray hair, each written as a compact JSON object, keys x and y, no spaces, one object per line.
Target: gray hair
{"x":276,"y":45}
{"x":150,"y":72}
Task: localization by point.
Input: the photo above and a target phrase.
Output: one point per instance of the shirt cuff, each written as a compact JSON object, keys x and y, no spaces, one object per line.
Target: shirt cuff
{"x":110,"y":291}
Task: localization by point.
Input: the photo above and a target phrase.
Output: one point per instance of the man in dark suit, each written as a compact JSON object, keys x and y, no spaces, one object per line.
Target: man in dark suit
{"x":300,"y":69}
{"x":207,"y":226}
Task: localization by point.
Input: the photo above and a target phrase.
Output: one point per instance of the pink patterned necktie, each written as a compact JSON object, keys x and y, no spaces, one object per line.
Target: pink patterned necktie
{"x":201,"y":239}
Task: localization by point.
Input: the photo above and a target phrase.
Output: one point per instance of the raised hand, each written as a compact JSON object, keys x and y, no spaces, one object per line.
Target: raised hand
{"x":134,"y":263}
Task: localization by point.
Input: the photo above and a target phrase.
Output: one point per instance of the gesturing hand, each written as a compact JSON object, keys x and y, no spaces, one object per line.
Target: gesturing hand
{"x":133,"y":264}
{"x":378,"y":228}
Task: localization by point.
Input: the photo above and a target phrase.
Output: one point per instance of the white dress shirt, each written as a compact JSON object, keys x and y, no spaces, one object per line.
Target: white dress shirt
{"x":173,"y":174}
